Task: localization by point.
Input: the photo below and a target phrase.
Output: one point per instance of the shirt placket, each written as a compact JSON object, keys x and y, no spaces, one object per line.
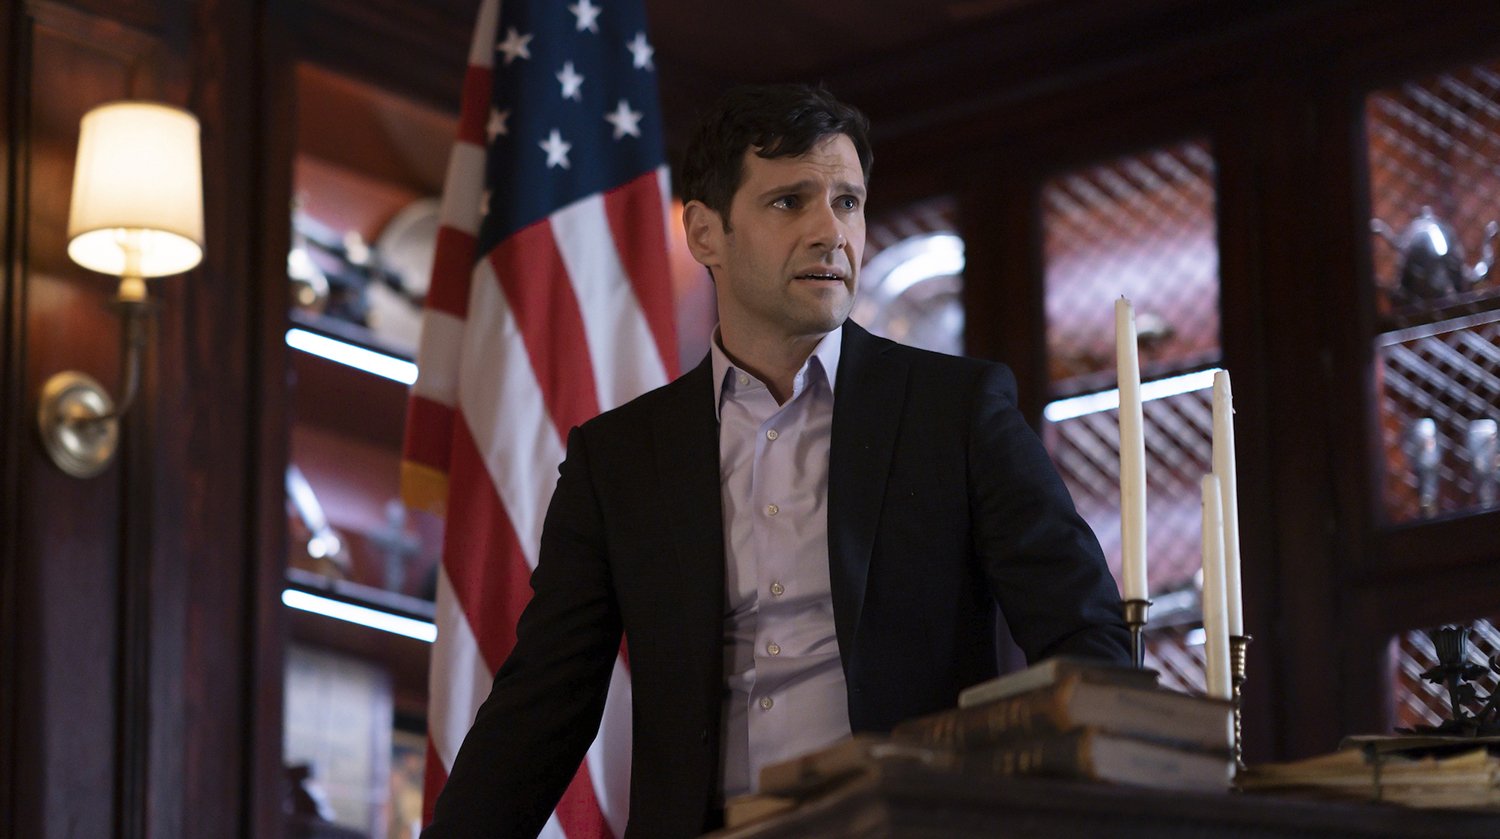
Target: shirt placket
{"x":771,"y":488}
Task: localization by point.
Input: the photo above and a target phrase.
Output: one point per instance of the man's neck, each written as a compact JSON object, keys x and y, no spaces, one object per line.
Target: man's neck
{"x":775,"y":361}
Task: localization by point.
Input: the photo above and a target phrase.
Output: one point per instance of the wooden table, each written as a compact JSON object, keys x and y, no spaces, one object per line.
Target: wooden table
{"x":910,"y":802}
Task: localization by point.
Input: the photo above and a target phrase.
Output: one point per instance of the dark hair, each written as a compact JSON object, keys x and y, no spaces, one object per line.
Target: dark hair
{"x":783,"y":120}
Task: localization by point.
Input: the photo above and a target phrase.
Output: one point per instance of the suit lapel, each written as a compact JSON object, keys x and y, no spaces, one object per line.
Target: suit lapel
{"x":686,"y":442}
{"x":868,"y":400}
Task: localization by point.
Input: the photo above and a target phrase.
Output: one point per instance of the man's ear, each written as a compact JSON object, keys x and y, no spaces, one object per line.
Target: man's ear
{"x":705,"y":233}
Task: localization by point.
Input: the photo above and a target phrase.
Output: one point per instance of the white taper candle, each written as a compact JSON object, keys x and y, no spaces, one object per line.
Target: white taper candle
{"x":1132,"y":456}
{"x":1229,"y":498}
{"x":1215,"y":628}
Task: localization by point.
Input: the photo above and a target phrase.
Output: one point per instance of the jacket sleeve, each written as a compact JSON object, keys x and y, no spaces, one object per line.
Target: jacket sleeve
{"x":544,"y":707}
{"x":1042,"y":561}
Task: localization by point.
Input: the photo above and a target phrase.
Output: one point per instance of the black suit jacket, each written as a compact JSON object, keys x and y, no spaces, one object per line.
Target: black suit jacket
{"x":941,"y":503}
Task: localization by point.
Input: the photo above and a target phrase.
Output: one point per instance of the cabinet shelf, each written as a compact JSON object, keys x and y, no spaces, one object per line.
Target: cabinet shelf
{"x":1409,"y":313}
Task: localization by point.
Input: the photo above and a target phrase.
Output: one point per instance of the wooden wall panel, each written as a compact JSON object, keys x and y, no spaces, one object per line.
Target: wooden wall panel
{"x":147,"y":630}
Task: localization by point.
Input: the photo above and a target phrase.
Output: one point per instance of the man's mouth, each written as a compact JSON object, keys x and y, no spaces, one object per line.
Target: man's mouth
{"x":826,"y":276}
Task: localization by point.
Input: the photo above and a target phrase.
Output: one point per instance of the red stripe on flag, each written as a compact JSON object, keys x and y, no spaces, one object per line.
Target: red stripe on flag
{"x":429,"y":433}
{"x":433,"y":779}
{"x":481,"y":554}
{"x":474,"y":113}
{"x":578,"y":812}
{"x":636,"y":220}
{"x":452,"y":271}
{"x":536,"y":284}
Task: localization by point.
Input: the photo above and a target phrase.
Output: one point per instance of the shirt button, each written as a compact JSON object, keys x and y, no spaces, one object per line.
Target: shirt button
{"x":773,"y":649}
{"x":777,"y":589}
{"x":743,"y":379}
{"x":766,"y":703}
{"x":772,"y":435}
{"x":772,"y":509}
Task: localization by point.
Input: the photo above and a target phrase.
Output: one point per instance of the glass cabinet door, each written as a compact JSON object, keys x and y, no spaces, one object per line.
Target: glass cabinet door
{"x":1143,"y":226}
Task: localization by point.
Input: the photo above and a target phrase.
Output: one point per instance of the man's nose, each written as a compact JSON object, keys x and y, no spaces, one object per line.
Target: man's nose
{"x":826,"y":230}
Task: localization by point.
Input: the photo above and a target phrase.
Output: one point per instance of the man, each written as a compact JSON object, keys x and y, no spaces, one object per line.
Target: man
{"x":805,"y":536}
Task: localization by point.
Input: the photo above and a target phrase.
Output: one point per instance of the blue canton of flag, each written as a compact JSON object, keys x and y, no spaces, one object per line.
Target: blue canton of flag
{"x":573,"y":109}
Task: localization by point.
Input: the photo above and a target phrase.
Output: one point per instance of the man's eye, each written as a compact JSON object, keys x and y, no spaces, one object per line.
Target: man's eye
{"x":786,"y":202}
{"x":847,"y":202}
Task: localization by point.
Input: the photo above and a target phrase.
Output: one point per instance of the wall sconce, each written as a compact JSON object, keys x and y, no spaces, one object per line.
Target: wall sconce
{"x":137,"y":212}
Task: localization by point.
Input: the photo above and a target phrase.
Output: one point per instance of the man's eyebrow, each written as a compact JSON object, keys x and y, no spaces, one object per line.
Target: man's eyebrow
{"x":809,"y":185}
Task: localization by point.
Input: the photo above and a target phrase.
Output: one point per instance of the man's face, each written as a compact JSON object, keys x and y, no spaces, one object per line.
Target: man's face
{"x":788,"y":266}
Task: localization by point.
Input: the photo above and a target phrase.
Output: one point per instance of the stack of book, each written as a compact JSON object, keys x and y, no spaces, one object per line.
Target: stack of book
{"x":1413,"y":771}
{"x":1065,"y":718}
{"x":1072,"y":718}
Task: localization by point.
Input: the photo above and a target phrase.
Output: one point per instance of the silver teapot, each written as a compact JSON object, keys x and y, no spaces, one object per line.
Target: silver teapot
{"x":1432,"y":259}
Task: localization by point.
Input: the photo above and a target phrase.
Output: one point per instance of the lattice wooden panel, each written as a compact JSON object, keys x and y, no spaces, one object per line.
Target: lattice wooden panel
{"x":1179,"y":451}
{"x":1419,"y":702}
{"x":1142,"y":226}
{"x":1451,"y":376}
{"x":935,"y":215}
{"x":1434,"y":143}
{"x":1180,"y":664}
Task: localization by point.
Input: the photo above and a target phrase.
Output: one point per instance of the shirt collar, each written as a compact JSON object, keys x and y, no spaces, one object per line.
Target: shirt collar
{"x":825,"y":355}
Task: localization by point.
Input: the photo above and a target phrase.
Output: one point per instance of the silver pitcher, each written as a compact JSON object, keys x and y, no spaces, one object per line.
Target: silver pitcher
{"x":1432,"y":259}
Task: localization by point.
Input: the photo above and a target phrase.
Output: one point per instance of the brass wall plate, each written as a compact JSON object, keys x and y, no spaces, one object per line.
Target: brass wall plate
{"x":77,"y":424}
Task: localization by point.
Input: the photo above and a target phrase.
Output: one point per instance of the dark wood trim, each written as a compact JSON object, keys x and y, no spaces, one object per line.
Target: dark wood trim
{"x":13,"y":177}
{"x":1438,"y":546}
{"x":272,"y":67}
{"x":358,"y":38}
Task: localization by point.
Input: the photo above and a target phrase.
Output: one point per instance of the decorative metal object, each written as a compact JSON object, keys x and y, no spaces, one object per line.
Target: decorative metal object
{"x":78,"y":421}
{"x":912,"y":292}
{"x":1237,"y":649}
{"x":1484,"y":459}
{"x":1424,"y":456}
{"x":1455,"y":672}
{"x":1136,"y":612}
{"x":1432,"y":259}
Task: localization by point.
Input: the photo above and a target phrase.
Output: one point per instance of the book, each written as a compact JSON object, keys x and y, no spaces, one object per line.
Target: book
{"x":744,"y":809}
{"x":1050,"y":672}
{"x":1092,"y":754}
{"x":812,"y":772}
{"x":1148,"y":713}
{"x":1465,"y":779}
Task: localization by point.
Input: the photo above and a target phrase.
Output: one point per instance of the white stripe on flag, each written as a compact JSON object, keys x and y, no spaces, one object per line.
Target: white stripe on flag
{"x":462,"y":186}
{"x":621,"y":347}
{"x":442,"y":341}
{"x":609,"y":756}
{"x":502,"y":403}
{"x":458,"y":680}
{"x":482,"y":48}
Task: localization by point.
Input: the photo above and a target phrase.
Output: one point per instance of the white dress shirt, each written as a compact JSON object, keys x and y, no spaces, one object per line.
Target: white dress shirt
{"x":784,"y":684}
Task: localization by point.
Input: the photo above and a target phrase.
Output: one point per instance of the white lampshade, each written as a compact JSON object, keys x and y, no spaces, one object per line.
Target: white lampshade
{"x":138,"y":182}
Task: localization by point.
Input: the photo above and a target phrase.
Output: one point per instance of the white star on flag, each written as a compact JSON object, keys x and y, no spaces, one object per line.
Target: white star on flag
{"x":557,"y":150}
{"x":587,"y":14}
{"x":641,"y":51}
{"x":514,"y":45}
{"x":624,"y":120}
{"x":496,"y":126}
{"x":572,"y":83}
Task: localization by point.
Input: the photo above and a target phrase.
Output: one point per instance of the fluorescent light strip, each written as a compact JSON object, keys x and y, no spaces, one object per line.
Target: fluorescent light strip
{"x":353,"y":355}
{"x":362,"y":615}
{"x":1109,"y":400}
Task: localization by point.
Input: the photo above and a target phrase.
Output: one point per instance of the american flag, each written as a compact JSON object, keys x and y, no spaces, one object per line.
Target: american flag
{"x":550,"y":301}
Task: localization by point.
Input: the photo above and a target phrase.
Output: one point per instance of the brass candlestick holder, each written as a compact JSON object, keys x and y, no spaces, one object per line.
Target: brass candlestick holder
{"x":1136,"y":612}
{"x":1237,"y":648}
